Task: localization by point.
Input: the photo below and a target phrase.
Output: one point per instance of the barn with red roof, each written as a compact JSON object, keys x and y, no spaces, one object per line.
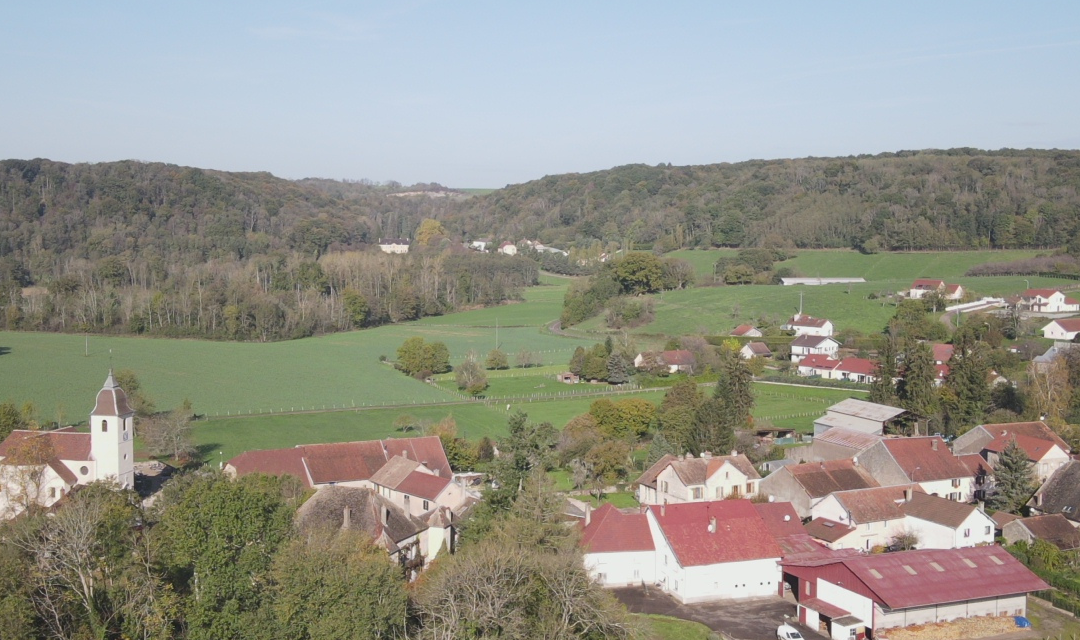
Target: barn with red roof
{"x":859,"y":594}
{"x":714,"y":550}
{"x":618,"y":546}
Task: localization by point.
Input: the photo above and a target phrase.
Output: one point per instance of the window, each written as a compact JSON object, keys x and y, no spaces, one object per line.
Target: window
{"x":807,"y":583}
{"x":853,"y":633}
{"x":125,"y":425}
{"x":956,"y":483}
{"x":719,"y":492}
{"x":697,"y":493}
{"x":104,"y":426}
{"x":868,"y":526}
{"x":83,"y":470}
{"x":425,"y":505}
{"x":52,"y":492}
{"x":735,"y":492}
{"x":406,"y":502}
{"x":987,"y":532}
{"x":749,"y":488}
{"x":663,"y":486}
{"x":967,"y":533}
{"x":637,"y":573}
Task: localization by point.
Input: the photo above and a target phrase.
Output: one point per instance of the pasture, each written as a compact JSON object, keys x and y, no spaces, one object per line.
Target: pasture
{"x":775,"y":404}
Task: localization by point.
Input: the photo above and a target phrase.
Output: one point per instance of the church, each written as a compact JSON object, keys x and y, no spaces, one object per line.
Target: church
{"x":41,"y":467}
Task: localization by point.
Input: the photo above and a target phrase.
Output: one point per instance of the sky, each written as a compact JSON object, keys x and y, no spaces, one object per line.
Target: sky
{"x":484,"y":94}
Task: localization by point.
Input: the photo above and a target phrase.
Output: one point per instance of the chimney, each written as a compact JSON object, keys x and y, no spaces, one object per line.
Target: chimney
{"x":908,"y":493}
{"x":982,"y":506}
{"x":346,"y":519}
{"x":588,"y":513}
{"x":734,"y":452}
{"x":855,"y":460}
{"x":663,"y":508}
{"x":712,"y":524}
{"x":689,"y":456}
{"x":706,"y":455}
{"x":933,"y":444}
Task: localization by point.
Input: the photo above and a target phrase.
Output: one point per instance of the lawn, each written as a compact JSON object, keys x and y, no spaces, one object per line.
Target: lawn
{"x":665,"y":628}
{"x":785,"y":406}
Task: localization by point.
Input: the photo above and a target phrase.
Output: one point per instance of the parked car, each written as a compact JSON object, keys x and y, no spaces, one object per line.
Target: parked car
{"x":788,"y":632}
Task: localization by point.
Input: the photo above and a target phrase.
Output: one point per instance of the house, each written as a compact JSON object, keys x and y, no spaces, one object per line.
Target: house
{"x":858,"y":415}
{"x":836,"y":443}
{"x":942,"y":352}
{"x":714,"y":550}
{"x":923,"y":460}
{"x":804,"y":325}
{"x":1060,"y":493}
{"x":41,"y":467}
{"x":858,"y":595}
{"x":568,"y":377}
{"x":869,"y":518}
{"x":1054,"y":528}
{"x":689,"y":479}
{"x":953,"y":292}
{"x":342,"y":463}
{"x":787,"y":530}
{"x":1048,"y":301}
{"x":1064,"y":329}
{"x":923,"y":286}
{"x":816,"y":365}
{"x":618,"y":546}
{"x":746,"y":331}
{"x":858,"y":370}
{"x":1045,"y":449}
{"x":480,"y":245}
{"x":508,"y":249}
{"x":804,"y":485}
{"x":1042,"y":362}
{"x":806,"y":345}
{"x":411,"y":540}
{"x":394,"y":245}
{"x":674,"y":361}
{"x":755,"y":350}
{"x":415,"y":489}
{"x":982,"y":473}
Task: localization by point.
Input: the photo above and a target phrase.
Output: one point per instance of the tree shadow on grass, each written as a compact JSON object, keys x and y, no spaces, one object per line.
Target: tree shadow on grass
{"x":208,"y":451}
{"x":4,"y":351}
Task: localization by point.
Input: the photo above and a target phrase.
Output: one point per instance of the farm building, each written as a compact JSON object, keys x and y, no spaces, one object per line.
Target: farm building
{"x":1054,"y":528}
{"x":804,"y":485}
{"x":858,"y":415}
{"x":926,"y":461}
{"x":1048,"y":301}
{"x":1065,"y":329}
{"x":860,"y":594}
{"x":618,"y":546}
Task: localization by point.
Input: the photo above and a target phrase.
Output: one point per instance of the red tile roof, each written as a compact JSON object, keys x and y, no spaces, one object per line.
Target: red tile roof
{"x":780,"y":519}
{"x":343,"y":461}
{"x":1035,"y":448}
{"x":678,"y":357}
{"x":649,"y":477}
{"x":61,"y":470}
{"x":66,"y":444}
{"x":827,"y":530}
{"x":942,"y":371}
{"x":952,"y":288}
{"x":876,"y":504}
{"x":819,"y":479}
{"x":976,"y":465}
{"x":858,"y":365}
{"x":423,"y":485}
{"x":926,"y":283}
{"x":917,"y":457}
{"x":818,"y":361}
{"x":759,"y":348}
{"x":740,"y":533}
{"x":807,"y":321}
{"x":1041,"y":293}
{"x":966,"y":574}
{"x":611,"y":530}
{"x":1068,"y":324}
{"x":742,"y":329}
{"x":942,"y":352}
{"x":1035,"y":429}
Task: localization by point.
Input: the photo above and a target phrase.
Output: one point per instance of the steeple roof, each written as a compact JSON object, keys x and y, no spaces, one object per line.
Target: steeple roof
{"x":111,"y":400}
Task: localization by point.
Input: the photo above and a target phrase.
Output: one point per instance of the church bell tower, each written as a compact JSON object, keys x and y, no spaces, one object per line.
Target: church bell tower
{"x":112,"y":435}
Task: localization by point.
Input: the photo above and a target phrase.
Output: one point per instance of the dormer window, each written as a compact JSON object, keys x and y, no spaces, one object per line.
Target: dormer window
{"x":104,"y":426}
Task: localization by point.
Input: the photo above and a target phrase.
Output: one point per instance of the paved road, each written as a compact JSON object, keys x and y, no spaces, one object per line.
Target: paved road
{"x":751,"y":619}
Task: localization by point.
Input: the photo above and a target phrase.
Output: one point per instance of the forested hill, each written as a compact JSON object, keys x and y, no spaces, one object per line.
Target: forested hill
{"x":959,"y":198}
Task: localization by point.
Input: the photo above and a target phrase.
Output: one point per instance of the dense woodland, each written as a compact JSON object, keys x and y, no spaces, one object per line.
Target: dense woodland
{"x":144,"y":247}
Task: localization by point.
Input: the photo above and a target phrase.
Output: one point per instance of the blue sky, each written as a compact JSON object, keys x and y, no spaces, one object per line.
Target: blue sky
{"x":482,"y":94}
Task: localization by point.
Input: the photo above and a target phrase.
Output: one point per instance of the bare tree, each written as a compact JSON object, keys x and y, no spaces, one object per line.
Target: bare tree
{"x":170,"y":434}
{"x":25,"y":474}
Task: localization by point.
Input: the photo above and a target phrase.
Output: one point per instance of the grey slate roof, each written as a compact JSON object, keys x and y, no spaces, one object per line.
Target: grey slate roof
{"x":1061,"y":492}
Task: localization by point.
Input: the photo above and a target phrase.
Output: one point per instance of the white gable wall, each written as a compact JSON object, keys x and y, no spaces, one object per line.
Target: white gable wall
{"x":977,"y":529}
{"x":623,"y":568}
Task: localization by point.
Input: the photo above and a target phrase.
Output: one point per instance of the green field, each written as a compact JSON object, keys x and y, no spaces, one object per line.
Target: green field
{"x":665,"y":628}
{"x":946,"y":265}
{"x":232,"y":436}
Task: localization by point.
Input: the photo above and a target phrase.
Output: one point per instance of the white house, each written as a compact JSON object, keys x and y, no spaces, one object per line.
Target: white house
{"x":926,"y":461}
{"x":714,"y":550}
{"x":755,"y":350}
{"x":618,"y":546}
{"x":855,"y":370}
{"x":394,"y":245}
{"x":689,"y":479}
{"x":804,"y":325}
{"x":856,"y":595}
{"x":41,"y":467}
{"x":1064,"y":329}
{"x":1045,"y":449}
{"x":874,"y":514}
{"x":807,"y":345}
{"x":746,"y":331}
{"x":1048,"y":301}
{"x":675,"y":360}
{"x":416,"y":489}
{"x":816,"y":365}
{"x":923,"y":286}
{"x":508,"y":249}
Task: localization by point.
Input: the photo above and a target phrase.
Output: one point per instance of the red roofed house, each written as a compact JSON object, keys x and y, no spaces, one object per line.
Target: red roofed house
{"x":816,"y":365}
{"x":41,"y":467}
{"x":618,"y":546}
{"x":942,"y":352}
{"x":415,"y":488}
{"x":755,"y":350}
{"x":508,"y":248}
{"x":746,"y":331}
{"x":857,"y":595}
{"x":713,"y":550}
{"x":804,"y":325}
{"x":1044,"y":448}
{"x":804,"y":485}
{"x":1065,"y":329}
{"x":1048,"y":301}
{"x":855,"y":370}
{"x":691,"y":479}
{"x":809,"y":345}
{"x":926,"y":461}
{"x":345,"y":463}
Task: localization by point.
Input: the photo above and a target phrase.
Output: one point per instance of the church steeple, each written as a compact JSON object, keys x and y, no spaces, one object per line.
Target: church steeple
{"x":112,"y":434}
